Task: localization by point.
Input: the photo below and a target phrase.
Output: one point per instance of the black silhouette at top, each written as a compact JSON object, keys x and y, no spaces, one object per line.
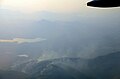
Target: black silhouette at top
{"x":104,"y":3}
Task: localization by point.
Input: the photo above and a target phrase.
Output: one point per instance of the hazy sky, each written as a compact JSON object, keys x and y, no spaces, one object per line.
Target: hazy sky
{"x":49,"y":5}
{"x":58,"y":6}
{"x":52,"y":10}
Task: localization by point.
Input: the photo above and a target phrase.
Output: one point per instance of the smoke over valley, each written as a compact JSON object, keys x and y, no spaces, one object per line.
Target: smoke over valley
{"x":51,"y":45}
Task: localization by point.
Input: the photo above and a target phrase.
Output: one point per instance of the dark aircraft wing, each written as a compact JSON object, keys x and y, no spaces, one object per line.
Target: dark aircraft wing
{"x":104,"y":3}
